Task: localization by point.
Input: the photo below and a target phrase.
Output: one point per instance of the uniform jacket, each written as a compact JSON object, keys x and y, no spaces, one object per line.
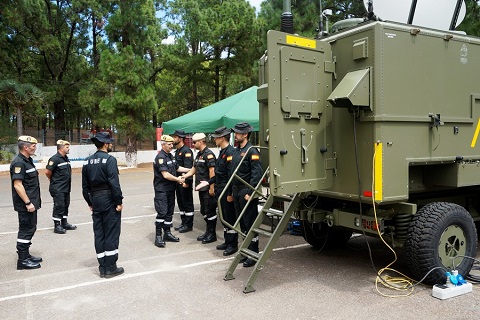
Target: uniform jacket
{"x":22,"y":168}
{"x":61,"y":180}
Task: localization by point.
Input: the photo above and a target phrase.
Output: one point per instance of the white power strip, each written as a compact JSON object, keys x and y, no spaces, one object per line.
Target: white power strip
{"x":442,"y":291}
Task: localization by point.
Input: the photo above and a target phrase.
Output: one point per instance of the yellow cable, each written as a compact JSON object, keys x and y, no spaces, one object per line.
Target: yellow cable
{"x":404,"y":283}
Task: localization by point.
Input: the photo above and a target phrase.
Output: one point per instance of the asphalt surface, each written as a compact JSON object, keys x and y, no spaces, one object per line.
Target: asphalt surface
{"x":185,"y":279}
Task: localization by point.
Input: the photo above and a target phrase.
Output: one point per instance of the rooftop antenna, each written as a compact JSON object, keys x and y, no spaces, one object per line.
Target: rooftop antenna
{"x":456,"y":13}
{"x":413,"y":6}
{"x":286,"y":24}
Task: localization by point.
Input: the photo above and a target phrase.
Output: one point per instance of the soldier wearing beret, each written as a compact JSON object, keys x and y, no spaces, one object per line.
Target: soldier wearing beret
{"x":184,"y":158}
{"x":204,"y":170}
{"x":222,"y":169}
{"x":26,"y":200}
{"x":59,"y":172}
{"x":101,"y":190}
{"x":250,"y":171}
{"x":164,"y":183}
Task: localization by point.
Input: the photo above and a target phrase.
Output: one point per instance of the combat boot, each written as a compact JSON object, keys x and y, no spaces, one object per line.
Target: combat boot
{"x":211,"y":235}
{"x":68,"y":226}
{"x":25,"y":263}
{"x":114,"y":272}
{"x":58,"y":228}
{"x":159,"y":239}
{"x":33,"y":258}
{"x":170,"y":237}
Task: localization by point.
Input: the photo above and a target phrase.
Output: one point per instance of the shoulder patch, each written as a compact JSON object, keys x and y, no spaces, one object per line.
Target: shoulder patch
{"x":255,"y":157}
{"x":188,"y":155}
{"x":210,"y":156}
{"x":160,"y":161}
{"x":18,"y":169}
{"x":50,"y":163}
{"x":229,"y":158}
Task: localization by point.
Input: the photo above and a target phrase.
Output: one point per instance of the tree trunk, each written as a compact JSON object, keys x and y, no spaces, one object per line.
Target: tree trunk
{"x":131,"y":152}
{"x":19,"y":122}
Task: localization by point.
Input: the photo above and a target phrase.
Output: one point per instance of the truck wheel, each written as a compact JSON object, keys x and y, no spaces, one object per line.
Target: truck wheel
{"x":321,"y":236}
{"x":438,"y":232}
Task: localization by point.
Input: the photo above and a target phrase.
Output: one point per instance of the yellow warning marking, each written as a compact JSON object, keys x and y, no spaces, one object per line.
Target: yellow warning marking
{"x":302,"y":42}
{"x":378,"y":163}
{"x":475,"y":136}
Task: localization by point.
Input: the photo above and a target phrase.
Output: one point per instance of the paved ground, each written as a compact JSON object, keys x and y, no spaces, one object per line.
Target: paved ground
{"x":185,"y":280}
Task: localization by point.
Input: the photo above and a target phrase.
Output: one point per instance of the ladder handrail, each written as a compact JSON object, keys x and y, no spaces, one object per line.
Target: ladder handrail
{"x":235,"y":226}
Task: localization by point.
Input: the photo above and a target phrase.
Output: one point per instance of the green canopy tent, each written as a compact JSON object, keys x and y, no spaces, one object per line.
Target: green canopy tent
{"x":240,"y":107}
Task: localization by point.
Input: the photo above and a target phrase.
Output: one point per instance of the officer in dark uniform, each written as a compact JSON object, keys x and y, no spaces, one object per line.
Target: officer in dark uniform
{"x":164,"y":183}
{"x":102,"y":192}
{"x":222,"y":169}
{"x":26,"y":200}
{"x":59,"y":172}
{"x":204,"y":170}
{"x":184,"y":158}
{"x":250,"y":171}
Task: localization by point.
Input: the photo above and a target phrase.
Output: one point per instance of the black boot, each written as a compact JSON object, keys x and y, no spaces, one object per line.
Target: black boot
{"x":231,"y":243}
{"x":200,"y":238}
{"x":222,"y":246}
{"x":113,"y":272}
{"x":68,"y":226}
{"x":182,"y":217}
{"x":24,"y":262}
{"x":211,"y":235}
{"x":187,"y":224}
{"x":159,"y":239}
{"x":58,"y":228}
{"x":169,"y":236}
{"x":33,"y":258}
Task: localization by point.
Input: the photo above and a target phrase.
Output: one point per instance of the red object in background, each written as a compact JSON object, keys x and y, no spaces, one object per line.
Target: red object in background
{"x":158,"y":133}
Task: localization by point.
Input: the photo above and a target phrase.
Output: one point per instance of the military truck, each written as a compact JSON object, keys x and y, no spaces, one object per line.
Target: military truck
{"x":374,"y":130}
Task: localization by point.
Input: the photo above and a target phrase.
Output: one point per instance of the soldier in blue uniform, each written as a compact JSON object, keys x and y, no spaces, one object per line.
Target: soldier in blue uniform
{"x":204,"y":170}
{"x":26,"y":200}
{"x":184,"y":158}
{"x":59,"y":172}
{"x":250,"y":171}
{"x":164,"y":183}
{"x":101,"y":190}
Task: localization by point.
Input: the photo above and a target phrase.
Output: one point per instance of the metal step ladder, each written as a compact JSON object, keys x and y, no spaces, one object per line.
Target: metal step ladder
{"x":256,"y":230}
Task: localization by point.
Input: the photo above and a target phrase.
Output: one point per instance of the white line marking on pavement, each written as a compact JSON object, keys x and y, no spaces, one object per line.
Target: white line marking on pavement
{"x":85,"y":223}
{"x":130,"y":276}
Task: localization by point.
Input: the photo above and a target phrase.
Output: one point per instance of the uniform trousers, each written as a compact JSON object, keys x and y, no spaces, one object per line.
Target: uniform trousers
{"x":164,"y":205}
{"x":27,"y":225}
{"x":106,"y":228}
{"x":61,"y":202}
{"x":250,"y":214}
{"x":228,"y":212}
{"x":208,"y":205}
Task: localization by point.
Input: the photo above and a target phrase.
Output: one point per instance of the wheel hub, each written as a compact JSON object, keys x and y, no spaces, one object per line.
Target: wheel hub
{"x":452,"y":243}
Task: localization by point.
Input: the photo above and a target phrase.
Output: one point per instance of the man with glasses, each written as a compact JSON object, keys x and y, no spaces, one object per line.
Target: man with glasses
{"x":164,"y":183}
{"x":26,"y":200}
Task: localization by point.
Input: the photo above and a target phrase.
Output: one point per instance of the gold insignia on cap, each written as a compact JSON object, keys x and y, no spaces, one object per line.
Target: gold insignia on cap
{"x":166,"y":138}
{"x":27,"y":139}
{"x":18,"y":169}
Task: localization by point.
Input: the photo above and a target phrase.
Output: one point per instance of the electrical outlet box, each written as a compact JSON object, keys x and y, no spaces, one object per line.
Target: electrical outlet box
{"x":442,"y":291}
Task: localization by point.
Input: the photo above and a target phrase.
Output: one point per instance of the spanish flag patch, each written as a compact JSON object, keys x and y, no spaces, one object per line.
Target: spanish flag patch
{"x":210,"y":156}
{"x":255,"y":157}
{"x":229,"y":158}
{"x":188,"y":155}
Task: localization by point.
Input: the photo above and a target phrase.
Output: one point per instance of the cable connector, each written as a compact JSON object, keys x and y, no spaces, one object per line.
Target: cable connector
{"x":456,"y":285}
